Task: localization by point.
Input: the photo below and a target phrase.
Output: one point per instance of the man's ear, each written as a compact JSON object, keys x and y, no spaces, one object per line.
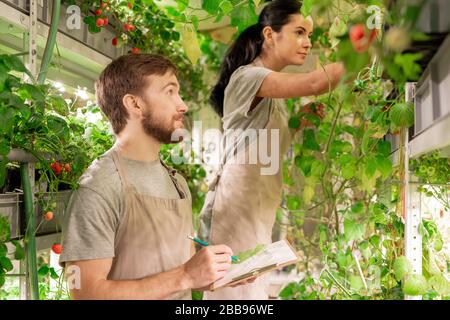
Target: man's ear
{"x":131,"y":103}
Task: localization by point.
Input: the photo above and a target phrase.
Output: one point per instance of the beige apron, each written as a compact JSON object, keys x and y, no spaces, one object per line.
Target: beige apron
{"x":152,"y":236}
{"x":244,"y":207}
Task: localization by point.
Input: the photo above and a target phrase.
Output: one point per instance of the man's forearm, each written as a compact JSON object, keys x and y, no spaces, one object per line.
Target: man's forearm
{"x":160,"y":286}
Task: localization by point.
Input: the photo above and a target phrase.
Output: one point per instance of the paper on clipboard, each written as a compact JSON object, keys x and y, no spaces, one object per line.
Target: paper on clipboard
{"x":273,"y":256}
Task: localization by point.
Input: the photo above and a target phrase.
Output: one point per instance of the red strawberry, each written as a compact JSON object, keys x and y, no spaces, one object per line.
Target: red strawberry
{"x":56,"y":167}
{"x":360,"y":39}
{"x":135,"y":50}
{"x":98,"y":12}
{"x":357,"y":32}
{"x":114,"y":41}
{"x":67,"y":167}
{"x":57,"y":248}
{"x":100,"y":22}
{"x":130,"y":5}
{"x":105,"y":21}
{"x":48,"y":216}
{"x":129,"y":27}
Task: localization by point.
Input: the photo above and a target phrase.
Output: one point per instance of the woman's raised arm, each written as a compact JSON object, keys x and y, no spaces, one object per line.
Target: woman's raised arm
{"x":293,"y":85}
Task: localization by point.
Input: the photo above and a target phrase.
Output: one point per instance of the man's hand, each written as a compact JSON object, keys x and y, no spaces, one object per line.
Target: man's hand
{"x":207,"y":266}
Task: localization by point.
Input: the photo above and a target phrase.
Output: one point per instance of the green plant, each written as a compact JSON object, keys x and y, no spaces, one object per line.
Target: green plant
{"x":342,"y":196}
{"x":433,"y":172}
{"x":5,"y":261}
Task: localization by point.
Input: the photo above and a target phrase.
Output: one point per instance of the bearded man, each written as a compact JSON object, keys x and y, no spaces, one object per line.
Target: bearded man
{"x":126,"y":227}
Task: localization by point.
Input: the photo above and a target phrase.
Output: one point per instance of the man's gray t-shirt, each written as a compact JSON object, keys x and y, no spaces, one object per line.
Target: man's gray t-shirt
{"x":96,"y":208}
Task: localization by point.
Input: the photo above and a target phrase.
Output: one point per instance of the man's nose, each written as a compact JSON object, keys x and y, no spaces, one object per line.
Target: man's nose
{"x":182,"y":107}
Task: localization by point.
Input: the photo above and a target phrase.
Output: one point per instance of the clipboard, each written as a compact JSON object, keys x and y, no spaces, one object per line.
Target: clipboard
{"x":287,"y":256}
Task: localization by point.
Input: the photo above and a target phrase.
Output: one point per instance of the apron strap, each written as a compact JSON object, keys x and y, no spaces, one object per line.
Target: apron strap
{"x":121,"y":169}
{"x":172,"y":173}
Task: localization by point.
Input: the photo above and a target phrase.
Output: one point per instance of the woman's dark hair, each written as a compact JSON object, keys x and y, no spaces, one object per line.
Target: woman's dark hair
{"x":249,"y":43}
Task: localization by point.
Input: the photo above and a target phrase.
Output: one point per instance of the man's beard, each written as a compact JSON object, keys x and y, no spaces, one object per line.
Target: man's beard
{"x":157,"y":129}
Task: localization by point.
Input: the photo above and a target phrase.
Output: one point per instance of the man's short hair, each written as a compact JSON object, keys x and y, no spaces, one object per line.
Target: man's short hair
{"x":126,"y":75}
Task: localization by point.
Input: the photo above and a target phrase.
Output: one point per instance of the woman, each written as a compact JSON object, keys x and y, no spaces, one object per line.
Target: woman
{"x":241,"y":205}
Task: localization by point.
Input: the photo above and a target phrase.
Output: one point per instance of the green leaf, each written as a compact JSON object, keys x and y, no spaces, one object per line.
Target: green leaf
{"x":348,"y":171}
{"x":190,"y":44}
{"x":194,"y":20}
{"x":243,"y":17}
{"x":19,"y":254}
{"x":6,"y":264}
{"x":384,"y":165}
{"x":44,"y":270}
{"x":59,"y":105}
{"x":14,"y":63}
{"x":384,"y":147}
{"x":370,"y":166}
{"x":354,"y":62}
{"x":93,"y":28}
{"x":358,"y":207}
{"x":4,"y":147}
{"x":288,"y":291}
{"x":211,"y":6}
{"x":307,"y":7}
{"x":375,"y":240}
{"x":407,"y":62}
{"x":53,"y":274}
{"x":309,"y":140}
{"x":182,"y":5}
{"x":294,"y":122}
{"x":402,"y":115}
{"x":354,"y":230}
{"x":226,"y":6}
{"x":356,"y":282}
{"x":342,"y":260}
{"x":32,"y":92}
{"x":4,"y":227}
{"x":292,"y":203}
{"x":3,"y":77}
{"x":6,"y":120}
{"x":304,"y":163}
{"x":440,"y":284}
{"x":89,"y":20}
{"x":338,"y":146}
{"x":308,"y":194}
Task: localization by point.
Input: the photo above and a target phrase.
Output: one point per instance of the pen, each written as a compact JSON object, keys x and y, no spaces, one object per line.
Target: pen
{"x":205,"y":244}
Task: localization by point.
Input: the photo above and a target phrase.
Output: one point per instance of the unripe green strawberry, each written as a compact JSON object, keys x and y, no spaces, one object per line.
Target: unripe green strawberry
{"x":402,"y":267}
{"x":415,"y":285}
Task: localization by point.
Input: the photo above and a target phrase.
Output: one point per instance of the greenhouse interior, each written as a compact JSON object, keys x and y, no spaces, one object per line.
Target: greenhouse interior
{"x":358,"y":207}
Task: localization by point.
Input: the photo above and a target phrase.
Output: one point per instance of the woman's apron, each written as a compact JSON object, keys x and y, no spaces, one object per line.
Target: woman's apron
{"x":152,"y":236}
{"x":243,"y":205}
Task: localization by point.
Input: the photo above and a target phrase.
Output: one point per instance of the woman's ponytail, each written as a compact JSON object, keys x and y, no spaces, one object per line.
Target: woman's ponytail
{"x":243,"y":51}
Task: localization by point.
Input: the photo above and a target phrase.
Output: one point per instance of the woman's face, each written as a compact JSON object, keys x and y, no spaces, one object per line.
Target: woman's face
{"x":292,"y":44}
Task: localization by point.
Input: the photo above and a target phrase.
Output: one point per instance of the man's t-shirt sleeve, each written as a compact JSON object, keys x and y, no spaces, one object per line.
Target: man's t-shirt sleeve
{"x":89,"y":227}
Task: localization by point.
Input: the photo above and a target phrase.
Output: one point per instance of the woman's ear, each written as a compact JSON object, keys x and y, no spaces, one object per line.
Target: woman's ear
{"x":267,"y":33}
